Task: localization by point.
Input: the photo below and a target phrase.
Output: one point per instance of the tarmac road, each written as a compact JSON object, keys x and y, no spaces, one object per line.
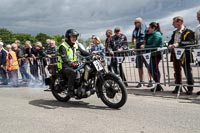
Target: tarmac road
{"x":31,"y":110}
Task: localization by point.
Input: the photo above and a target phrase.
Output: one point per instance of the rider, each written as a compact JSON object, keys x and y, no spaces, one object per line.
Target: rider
{"x":67,"y":59}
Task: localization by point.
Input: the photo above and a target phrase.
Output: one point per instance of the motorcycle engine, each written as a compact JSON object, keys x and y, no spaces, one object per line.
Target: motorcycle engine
{"x":87,"y":72}
{"x":86,"y":89}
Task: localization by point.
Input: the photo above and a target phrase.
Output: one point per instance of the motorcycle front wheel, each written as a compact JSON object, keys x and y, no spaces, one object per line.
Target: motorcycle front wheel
{"x":113,"y":93}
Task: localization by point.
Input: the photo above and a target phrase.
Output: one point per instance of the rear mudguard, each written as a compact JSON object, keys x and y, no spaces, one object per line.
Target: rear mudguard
{"x":47,"y":81}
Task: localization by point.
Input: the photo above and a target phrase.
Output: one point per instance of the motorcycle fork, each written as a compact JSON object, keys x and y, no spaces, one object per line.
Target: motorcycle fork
{"x":100,"y":80}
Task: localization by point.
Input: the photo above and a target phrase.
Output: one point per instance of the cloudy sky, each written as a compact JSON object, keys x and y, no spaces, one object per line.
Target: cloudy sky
{"x":92,"y":16}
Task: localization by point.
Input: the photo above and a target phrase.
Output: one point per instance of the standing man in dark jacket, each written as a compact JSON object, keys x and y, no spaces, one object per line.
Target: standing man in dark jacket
{"x":117,"y":44}
{"x":3,"y":56}
{"x":181,"y":38}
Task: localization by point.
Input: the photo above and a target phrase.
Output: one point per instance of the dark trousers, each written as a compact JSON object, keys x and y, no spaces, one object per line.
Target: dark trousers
{"x":154,"y":68}
{"x":187,"y":70}
{"x":34,"y":69}
{"x":114,"y":65}
{"x":4,"y":76}
{"x":117,"y":68}
{"x":70,"y":74}
{"x":13,"y":77}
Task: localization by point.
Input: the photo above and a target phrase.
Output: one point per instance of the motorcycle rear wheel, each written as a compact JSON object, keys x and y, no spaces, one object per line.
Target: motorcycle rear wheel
{"x":59,"y":93}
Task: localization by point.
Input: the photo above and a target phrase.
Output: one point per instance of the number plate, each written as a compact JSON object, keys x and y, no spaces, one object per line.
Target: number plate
{"x":97,"y":65}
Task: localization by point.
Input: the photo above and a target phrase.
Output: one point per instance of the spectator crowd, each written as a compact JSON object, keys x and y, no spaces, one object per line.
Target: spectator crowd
{"x":31,"y":60}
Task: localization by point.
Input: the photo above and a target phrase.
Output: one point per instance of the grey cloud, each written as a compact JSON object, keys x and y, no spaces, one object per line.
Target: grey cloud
{"x":87,"y":16}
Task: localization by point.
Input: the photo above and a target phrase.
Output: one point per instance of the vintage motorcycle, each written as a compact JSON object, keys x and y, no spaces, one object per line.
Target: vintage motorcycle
{"x":91,"y":78}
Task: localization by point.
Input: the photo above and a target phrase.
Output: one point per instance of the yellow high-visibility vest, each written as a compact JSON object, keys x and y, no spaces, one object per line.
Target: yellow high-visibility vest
{"x":70,"y":52}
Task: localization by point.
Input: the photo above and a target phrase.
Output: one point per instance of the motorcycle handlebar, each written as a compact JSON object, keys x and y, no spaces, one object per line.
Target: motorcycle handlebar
{"x":90,"y":58}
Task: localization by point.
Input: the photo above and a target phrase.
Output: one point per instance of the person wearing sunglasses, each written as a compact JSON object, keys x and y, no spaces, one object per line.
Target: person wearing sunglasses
{"x":97,"y":47}
{"x":138,"y":37}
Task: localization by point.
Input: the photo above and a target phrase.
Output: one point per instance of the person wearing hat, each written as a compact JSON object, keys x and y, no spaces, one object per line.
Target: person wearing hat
{"x":181,"y":38}
{"x":97,"y":47}
{"x":3,"y":56}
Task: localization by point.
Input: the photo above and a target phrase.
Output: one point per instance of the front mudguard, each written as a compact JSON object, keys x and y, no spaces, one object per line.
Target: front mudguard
{"x":100,"y":80}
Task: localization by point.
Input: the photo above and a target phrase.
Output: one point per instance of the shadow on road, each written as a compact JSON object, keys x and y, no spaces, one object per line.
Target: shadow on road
{"x":53,"y":104}
{"x":195,"y":101}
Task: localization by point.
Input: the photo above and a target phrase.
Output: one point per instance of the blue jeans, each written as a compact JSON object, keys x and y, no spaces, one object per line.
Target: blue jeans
{"x":13,"y":77}
{"x":23,"y":71}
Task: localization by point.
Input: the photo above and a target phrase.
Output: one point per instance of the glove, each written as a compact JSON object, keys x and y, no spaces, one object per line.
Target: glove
{"x":74,"y":64}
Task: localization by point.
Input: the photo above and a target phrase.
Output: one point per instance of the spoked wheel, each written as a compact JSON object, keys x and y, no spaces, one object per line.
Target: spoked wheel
{"x":114,"y":93}
{"x":58,"y":92}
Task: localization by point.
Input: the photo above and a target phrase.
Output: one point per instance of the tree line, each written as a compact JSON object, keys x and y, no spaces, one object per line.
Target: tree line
{"x":8,"y":37}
